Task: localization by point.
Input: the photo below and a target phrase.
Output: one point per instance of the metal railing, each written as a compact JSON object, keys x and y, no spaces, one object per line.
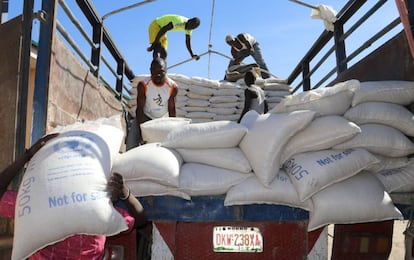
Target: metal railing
{"x":99,"y":39}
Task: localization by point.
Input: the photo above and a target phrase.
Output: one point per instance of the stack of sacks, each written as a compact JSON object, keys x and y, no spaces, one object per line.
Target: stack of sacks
{"x":228,"y":101}
{"x":263,"y":145}
{"x":151,"y":170}
{"x":314,"y":150}
{"x":205,"y":100}
{"x":190,"y":161}
{"x":220,"y":157}
{"x":64,"y":189}
{"x":329,"y":160}
{"x":275,"y":90}
{"x":213,"y":162}
{"x":198,"y":99}
{"x":380,"y":108}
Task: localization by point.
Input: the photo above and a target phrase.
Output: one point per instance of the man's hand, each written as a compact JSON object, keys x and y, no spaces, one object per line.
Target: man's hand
{"x":117,"y":188}
{"x":195,"y":56}
{"x":150,"y":48}
{"x":39,"y":144}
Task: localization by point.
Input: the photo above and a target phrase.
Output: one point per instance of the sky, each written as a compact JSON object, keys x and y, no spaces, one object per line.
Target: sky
{"x":284,"y":30}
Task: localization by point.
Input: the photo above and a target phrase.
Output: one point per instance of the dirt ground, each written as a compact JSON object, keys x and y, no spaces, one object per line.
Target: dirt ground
{"x":398,"y":247}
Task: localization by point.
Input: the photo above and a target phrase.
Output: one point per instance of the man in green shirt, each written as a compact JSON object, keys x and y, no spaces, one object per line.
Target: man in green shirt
{"x":170,"y":22}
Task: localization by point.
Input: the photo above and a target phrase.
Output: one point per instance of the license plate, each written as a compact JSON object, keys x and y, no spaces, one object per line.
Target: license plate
{"x":237,"y":239}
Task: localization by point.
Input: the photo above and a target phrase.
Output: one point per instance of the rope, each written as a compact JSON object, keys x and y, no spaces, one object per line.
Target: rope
{"x":187,"y":60}
{"x":125,"y":8}
{"x":305,"y":4}
{"x":209,"y":37}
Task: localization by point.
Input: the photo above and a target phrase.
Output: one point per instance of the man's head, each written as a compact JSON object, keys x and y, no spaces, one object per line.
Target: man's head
{"x":192,"y":23}
{"x":158,"y":70}
{"x":230,"y":39}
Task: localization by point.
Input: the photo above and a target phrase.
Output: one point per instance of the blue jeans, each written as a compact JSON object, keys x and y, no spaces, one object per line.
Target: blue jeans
{"x":256,"y":54}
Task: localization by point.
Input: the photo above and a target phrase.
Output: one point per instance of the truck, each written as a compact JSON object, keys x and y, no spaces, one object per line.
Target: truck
{"x":47,"y":84}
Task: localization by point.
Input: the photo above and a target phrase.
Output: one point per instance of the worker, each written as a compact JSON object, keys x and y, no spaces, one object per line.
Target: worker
{"x":169,"y":23}
{"x":78,"y":246}
{"x":155,"y":99}
{"x":244,"y":45}
{"x":254,"y":96}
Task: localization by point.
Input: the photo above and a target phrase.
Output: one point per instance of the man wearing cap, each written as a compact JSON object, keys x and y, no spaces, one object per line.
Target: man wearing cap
{"x":170,"y":22}
{"x":244,"y":45}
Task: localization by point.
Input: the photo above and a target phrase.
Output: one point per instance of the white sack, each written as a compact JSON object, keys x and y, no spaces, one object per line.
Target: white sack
{"x":203,"y":180}
{"x":280,"y":192}
{"x":205,"y":82}
{"x":321,"y":134}
{"x":218,"y":134}
{"x":227,"y":158}
{"x":392,"y":91}
{"x":181,"y":78}
{"x":195,"y":109}
{"x":313,"y":171}
{"x":207,"y":91}
{"x":394,"y":115}
{"x":359,"y":199}
{"x":108,"y":128}
{"x":149,"y":188}
{"x":267,"y":135}
{"x":156,"y":130}
{"x":222,"y":111}
{"x":380,"y":139}
{"x":224,"y":99}
{"x":398,"y":179}
{"x":64,"y":191}
{"x":387,"y":163}
{"x":196,"y":96}
{"x":233,"y":117}
{"x":150,"y":162}
{"x":200,"y":115}
{"x":333,"y":100}
{"x":237,"y":91}
{"x":192,"y":102}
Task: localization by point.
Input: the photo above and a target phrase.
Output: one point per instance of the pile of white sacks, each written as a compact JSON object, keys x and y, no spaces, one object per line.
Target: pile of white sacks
{"x":204,"y":100}
{"x":337,"y":152}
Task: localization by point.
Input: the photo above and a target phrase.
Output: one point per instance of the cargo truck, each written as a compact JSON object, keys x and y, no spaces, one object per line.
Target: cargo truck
{"x":200,"y":228}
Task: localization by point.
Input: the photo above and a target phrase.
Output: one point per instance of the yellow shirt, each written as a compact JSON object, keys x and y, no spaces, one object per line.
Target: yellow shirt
{"x":178,"y":22}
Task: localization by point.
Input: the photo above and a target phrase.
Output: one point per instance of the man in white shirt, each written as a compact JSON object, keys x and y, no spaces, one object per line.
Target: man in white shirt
{"x":155,"y":99}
